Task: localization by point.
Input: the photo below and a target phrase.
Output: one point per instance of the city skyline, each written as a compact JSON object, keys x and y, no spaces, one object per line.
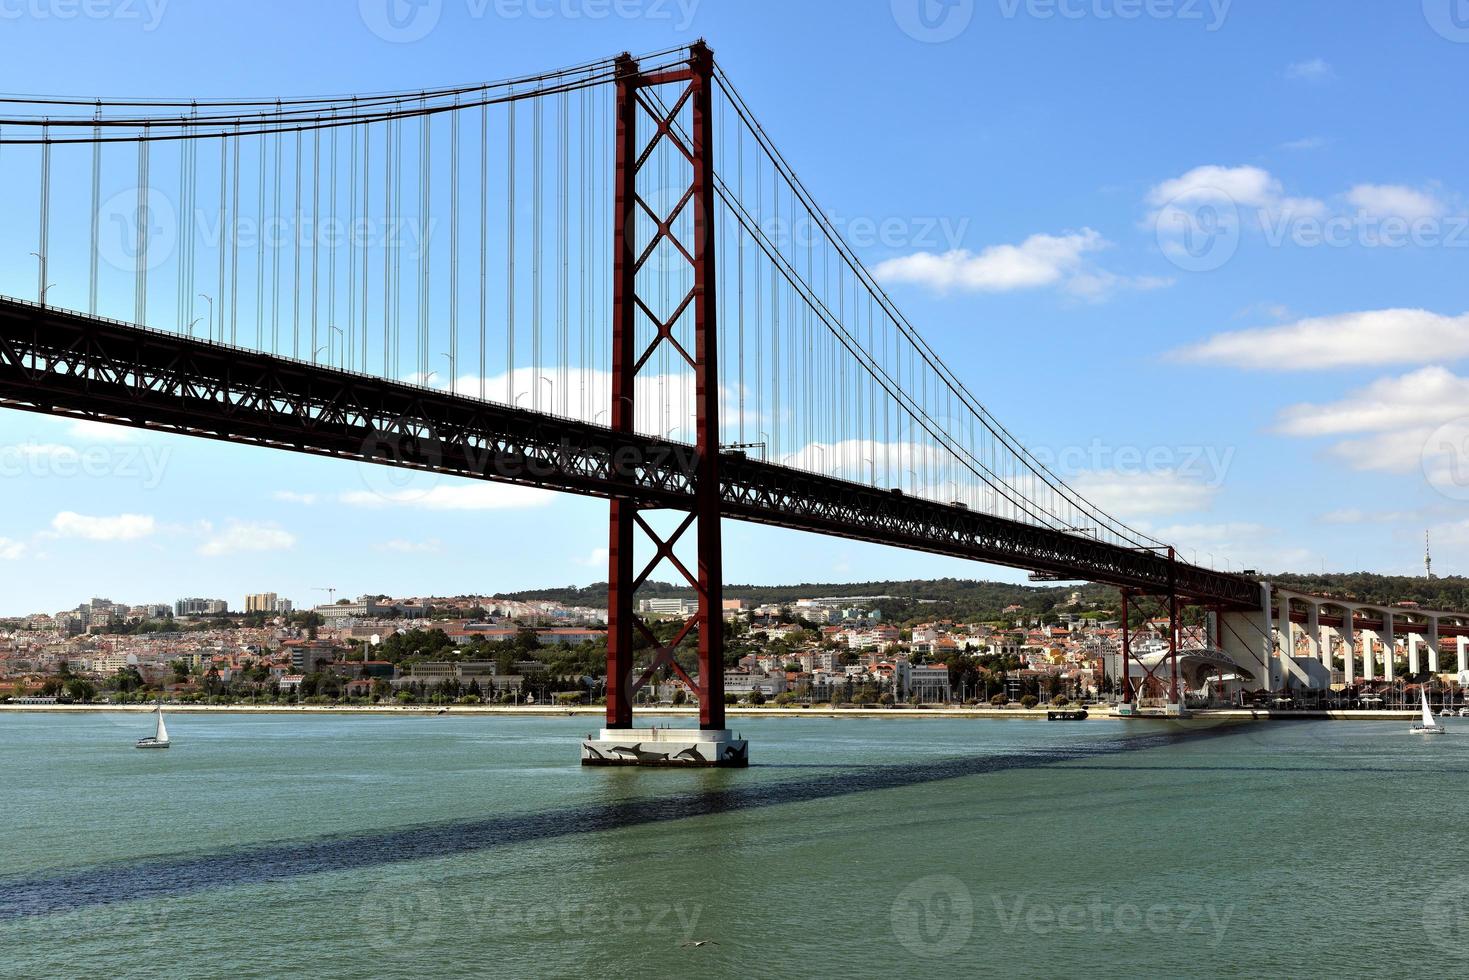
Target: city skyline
{"x":1338,"y":357}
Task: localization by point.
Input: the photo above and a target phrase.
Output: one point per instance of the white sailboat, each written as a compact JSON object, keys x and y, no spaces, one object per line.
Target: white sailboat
{"x":1429,"y":725}
{"x":159,"y":738}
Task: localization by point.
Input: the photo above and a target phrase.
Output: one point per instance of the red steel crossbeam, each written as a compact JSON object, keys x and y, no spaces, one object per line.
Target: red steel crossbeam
{"x":708,"y":619}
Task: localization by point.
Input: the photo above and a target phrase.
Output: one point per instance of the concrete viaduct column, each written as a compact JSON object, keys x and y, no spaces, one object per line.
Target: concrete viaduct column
{"x":1319,"y":650}
{"x":1413,"y":664}
{"x":1349,"y":647}
{"x":1248,"y":637}
{"x":1432,"y":640}
{"x":1369,"y":655}
{"x":1388,"y":667}
{"x":1286,"y":628}
{"x":1463,"y":653}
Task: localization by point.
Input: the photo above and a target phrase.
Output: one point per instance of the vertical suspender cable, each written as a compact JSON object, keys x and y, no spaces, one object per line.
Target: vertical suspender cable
{"x":349,"y":350}
{"x":484,"y":224}
{"x":275,"y":251}
{"x":331,"y":241}
{"x":144,"y":223}
{"x":510,"y":255}
{"x":453,"y":249}
{"x":363,"y":229}
{"x":537,"y":113}
{"x":316,"y":236}
{"x":96,"y":219}
{"x":296,"y":248}
{"x":392,"y":242}
{"x":260,"y":240}
{"x":44,"y":236}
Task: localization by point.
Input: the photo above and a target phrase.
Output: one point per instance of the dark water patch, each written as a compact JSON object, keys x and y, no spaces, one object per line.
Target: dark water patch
{"x":164,"y":877}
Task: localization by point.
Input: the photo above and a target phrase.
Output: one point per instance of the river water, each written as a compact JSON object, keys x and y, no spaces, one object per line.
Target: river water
{"x":368,"y":846}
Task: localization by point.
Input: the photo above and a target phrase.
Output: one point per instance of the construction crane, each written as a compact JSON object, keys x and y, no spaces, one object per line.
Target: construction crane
{"x":331,"y":593}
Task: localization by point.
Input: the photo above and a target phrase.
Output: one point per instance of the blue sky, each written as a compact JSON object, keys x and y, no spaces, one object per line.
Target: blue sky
{"x":1112,"y":220}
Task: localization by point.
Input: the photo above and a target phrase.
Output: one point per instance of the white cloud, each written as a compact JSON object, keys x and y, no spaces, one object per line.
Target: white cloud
{"x":405,"y":547}
{"x":1399,"y":425}
{"x":1371,"y":337}
{"x":586,"y":394}
{"x":1245,"y":187}
{"x":121,"y":527}
{"x":238,"y":536}
{"x":597,"y":558}
{"x":292,"y":497}
{"x":1244,"y":544}
{"x":1455,"y":534}
{"x":1426,"y":397}
{"x":102,"y":431}
{"x":1352,"y":515}
{"x":465,"y":496}
{"x":1314,"y":70}
{"x":1394,"y":201}
{"x":1129,"y":495}
{"x":1100,"y":284}
{"x":11,"y":550}
{"x":1040,"y":260}
{"x":49,"y":452}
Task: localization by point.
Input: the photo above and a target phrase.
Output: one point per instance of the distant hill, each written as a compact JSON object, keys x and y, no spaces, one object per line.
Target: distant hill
{"x":978,"y":600}
{"x":945,"y":598}
{"x":1437,"y":593}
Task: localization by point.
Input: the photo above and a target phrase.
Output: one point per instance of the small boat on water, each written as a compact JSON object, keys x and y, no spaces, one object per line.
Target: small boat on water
{"x":1428,"y":726}
{"x":159,"y":738}
{"x":1069,"y":714}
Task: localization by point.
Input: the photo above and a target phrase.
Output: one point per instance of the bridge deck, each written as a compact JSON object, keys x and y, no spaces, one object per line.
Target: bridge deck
{"x":62,"y":363}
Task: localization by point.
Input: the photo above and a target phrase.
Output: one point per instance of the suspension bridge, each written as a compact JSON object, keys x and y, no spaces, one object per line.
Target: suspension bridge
{"x":603,"y":280}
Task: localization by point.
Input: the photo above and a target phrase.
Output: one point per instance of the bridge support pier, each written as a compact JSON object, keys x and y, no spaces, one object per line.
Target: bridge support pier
{"x":1389,"y":648}
{"x":1313,"y":634}
{"x":1246,"y":638}
{"x":1125,"y":703}
{"x":634,"y":243}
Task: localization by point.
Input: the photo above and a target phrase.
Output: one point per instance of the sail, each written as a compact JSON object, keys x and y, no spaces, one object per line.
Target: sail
{"x":162,"y":733}
{"x":1428,"y":721}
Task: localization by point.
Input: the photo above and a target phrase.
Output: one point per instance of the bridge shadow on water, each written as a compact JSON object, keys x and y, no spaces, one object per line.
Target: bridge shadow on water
{"x":159,"y":877}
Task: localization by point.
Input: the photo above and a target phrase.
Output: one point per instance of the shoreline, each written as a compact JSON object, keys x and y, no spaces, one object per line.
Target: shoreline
{"x":597,"y":711}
